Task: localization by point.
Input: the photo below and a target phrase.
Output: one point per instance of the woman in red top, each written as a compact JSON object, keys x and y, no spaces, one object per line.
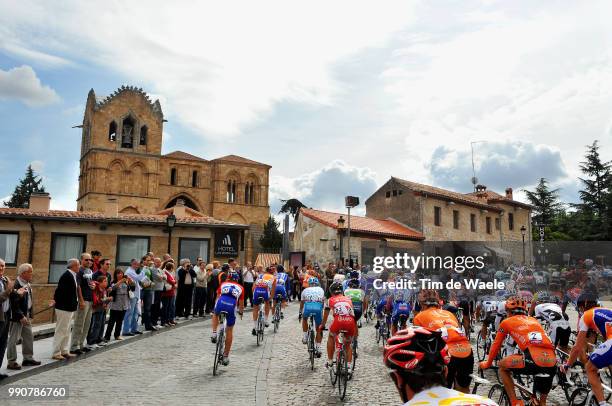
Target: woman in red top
{"x":167,"y":295}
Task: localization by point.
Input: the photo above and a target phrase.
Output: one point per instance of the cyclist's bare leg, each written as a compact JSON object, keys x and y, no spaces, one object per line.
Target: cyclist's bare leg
{"x":594,"y":379}
{"x":267,"y":308}
{"x":508,"y":381}
{"x":484,"y":331}
{"x":543,"y":397}
{"x":229,"y":338}
{"x":215,"y":322}
{"x":348,"y":348}
{"x":330,"y":346}
{"x":304,"y":325}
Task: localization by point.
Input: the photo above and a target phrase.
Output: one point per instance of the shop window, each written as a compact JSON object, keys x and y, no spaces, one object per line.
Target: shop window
{"x":130,"y":247}
{"x":193,"y":248}
{"x":8,"y":247}
{"x":63,"y":248}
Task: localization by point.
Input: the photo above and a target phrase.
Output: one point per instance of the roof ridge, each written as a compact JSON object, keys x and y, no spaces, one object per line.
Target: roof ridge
{"x":154,"y":105}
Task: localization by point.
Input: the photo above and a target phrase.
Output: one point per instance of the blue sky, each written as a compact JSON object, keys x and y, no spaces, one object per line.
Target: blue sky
{"x":336,"y":97}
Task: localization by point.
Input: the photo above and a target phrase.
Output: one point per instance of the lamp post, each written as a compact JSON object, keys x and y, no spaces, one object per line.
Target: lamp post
{"x":523,"y":231}
{"x":170,"y":223}
{"x":340,"y":236}
{"x":351,"y":201}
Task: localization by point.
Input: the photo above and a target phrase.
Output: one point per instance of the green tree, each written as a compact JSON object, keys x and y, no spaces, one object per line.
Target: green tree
{"x":545,"y":202}
{"x":595,"y":193}
{"x":291,"y":206}
{"x":28,"y":185}
{"x":271,"y":239}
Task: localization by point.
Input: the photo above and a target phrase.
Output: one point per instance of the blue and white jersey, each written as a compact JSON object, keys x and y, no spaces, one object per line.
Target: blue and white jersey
{"x":402,"y":295}
{"x":231,"y":290}
{"x":282,"y":279}
{"x":313,"y":294}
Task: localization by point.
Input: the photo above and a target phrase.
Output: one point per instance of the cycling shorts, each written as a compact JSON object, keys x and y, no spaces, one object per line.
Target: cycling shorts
{"x":560,"y":335}
{"x":524,"y":365}
{"x":261,"y":293}
{"x":346,"y":323}
{"x":225,"y":304}
{"x":601,"y":356}
{"x":459,"y":370}
{"x":399,"y":309}
{"x":313,"y":309}
{"x":280,"y":290}
{"x":357,"y":310}
{"x":382,"y":305}
{"x":465,"y":306}
{"x":489,"y":319}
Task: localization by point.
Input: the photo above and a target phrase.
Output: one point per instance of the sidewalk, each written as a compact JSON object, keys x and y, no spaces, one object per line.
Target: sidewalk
{"x":43,"y":343}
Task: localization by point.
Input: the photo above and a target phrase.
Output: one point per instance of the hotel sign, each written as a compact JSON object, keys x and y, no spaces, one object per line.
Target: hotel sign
{"x":226,"y":243}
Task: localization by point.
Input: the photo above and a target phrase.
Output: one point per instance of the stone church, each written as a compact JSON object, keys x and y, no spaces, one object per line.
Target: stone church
{"x":121,"y":158}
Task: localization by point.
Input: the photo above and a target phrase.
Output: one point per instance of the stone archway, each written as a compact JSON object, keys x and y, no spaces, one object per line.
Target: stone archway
{"x":188,"y":202}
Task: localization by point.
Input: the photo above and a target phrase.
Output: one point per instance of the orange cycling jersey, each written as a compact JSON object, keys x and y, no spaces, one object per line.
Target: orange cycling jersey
{"x":265,"y":281}
{"x":528,"y":334}
{"x":445,"y":321}
{"x":597,"y":319}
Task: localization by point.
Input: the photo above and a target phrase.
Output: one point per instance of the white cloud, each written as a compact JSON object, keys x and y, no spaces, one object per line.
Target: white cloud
{"x":32,"y":55}
{"x":221,"y":66}
{"x":37,"y":166}
{"x":325,"y":189}
{"x":21,"y":83}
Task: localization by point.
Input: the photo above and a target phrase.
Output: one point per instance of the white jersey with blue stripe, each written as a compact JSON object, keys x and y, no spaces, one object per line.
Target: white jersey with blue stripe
{"x":313,"y":294}
{"x":282,"y":279}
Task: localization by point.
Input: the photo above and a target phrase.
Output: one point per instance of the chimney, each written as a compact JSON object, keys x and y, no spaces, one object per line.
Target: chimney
{"x":481,"y":191}
{"x":179,"y":208}
{"x":509,"y":193}
{"x":111,"y":207}
{"x":40,"y":201}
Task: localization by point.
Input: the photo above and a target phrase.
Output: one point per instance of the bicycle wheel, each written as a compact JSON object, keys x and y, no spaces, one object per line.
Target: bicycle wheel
{"x":498,"y":394}
{"x":311,"y":347}
{"x":378,"y":335}
{"x":481,"y":347}
{"x":582,"y":397}
{"x":219,"y":351}
{"x":260,"y":329}
{"x":342,"y":374}
{"x":354,"y":360}
{"x":333,"y":377}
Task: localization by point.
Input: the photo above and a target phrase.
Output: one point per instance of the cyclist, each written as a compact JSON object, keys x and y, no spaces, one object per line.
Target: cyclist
{"x":486,"y":310}
{"x":596,"y":319}
{"x":311,"y":304}
{"x":546,"y":309}
{"x":282,"y":281}
{"x":433,"y":318}
{"x":401,"y":308}
{"x":464,"y":302}
{"x":384,"y":302}
{"x":418,"y":361}
{"x":229,"y":294}
{"x":353,"y":275}
{"x":538,"y":358}
{"x":262,"y":287}
{"x":343,"y":319}
{"x":358,"y":297}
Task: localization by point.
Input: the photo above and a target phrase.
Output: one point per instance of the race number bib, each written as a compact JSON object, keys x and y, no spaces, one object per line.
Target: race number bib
{"x":535,"y":337}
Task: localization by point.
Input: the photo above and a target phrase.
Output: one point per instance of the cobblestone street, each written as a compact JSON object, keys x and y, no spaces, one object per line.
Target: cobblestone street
{"x":176,"y":367}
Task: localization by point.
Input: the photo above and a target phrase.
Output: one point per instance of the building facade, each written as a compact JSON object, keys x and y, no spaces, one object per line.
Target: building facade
{"x":322,"y":236}
{"x":447,"y":216}
{"x":121,"y":158}
{"x":48,"y":238}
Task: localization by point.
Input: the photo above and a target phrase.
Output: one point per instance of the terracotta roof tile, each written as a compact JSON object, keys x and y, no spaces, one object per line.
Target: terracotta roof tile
{"x":184,"y":155}
{"x":69,"y":215}
{"x":494,"y":197}
{"x":366,"y":225}
{"x":236,"y":158}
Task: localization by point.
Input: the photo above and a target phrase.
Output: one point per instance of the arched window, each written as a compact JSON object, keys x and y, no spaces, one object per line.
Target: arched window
{"x":143,"y":135}
{"x":194,"y":179}
{"x":251,"y":193}
{"x":112,"y":131}
{"x":231,"y":191}
{"x":127,"y":132}
{"x":173,"y":176}
{"x":246,"y":193}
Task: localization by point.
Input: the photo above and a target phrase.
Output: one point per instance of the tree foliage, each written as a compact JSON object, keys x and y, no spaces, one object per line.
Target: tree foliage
{"x":292,"y":207}
{"x":28,"y":185}
{"x":271,"y":239}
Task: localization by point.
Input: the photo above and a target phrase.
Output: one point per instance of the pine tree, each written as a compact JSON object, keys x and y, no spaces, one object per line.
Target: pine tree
{"x":271,"y":239}
{"x":595,"y":195}
{"x":292,"y":207}
{"x":28,"y":185}
{"x":545,"y":202}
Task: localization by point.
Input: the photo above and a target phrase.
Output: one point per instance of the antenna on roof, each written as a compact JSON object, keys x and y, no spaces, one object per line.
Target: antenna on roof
{"x":474,"y":178}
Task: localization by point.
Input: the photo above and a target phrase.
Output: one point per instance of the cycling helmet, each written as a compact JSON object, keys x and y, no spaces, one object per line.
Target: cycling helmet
{"x":336,"y":288}
{"x":225,"y":267}
{"x":586,"y":300}
{"x":354,"y":275}
{"x":429,"y":297}
{"x":312,"y":281}
{"x":353,"y":283}
{"x":233,"y":276}
{"x":516,"y":304}
{"x":280,"y":268}
{"x":418,"y":351}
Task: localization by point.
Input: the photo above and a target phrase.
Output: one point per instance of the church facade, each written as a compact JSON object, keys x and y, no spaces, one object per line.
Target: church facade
{"x":121,"y":160}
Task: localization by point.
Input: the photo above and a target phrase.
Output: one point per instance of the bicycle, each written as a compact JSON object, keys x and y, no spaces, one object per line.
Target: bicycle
{"x":583,"y":396}
{"x":498,"y":393}
{"x":354,"y":360}
{"x":277,"y":312}
{"x":220,"y":347}
{"x":311,"y":341}
{"x":261,"y":322}
{"x":571,"y":382}
{"x":483,"y":345}
{"x":339,"y":373}
{"x":384,"y":330}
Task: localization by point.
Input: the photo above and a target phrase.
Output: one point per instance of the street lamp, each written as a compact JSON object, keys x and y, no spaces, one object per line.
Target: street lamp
{"x":523,"y":231}
{"x":170,"y":222}
{"x":340,"y":236}
{"x":351,"y":201}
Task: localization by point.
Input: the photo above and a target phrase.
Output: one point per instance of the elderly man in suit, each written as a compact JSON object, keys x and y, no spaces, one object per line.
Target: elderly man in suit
{"x":66,"y":301}
{"x":21,"y":319}
{"x":6,"y":287}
